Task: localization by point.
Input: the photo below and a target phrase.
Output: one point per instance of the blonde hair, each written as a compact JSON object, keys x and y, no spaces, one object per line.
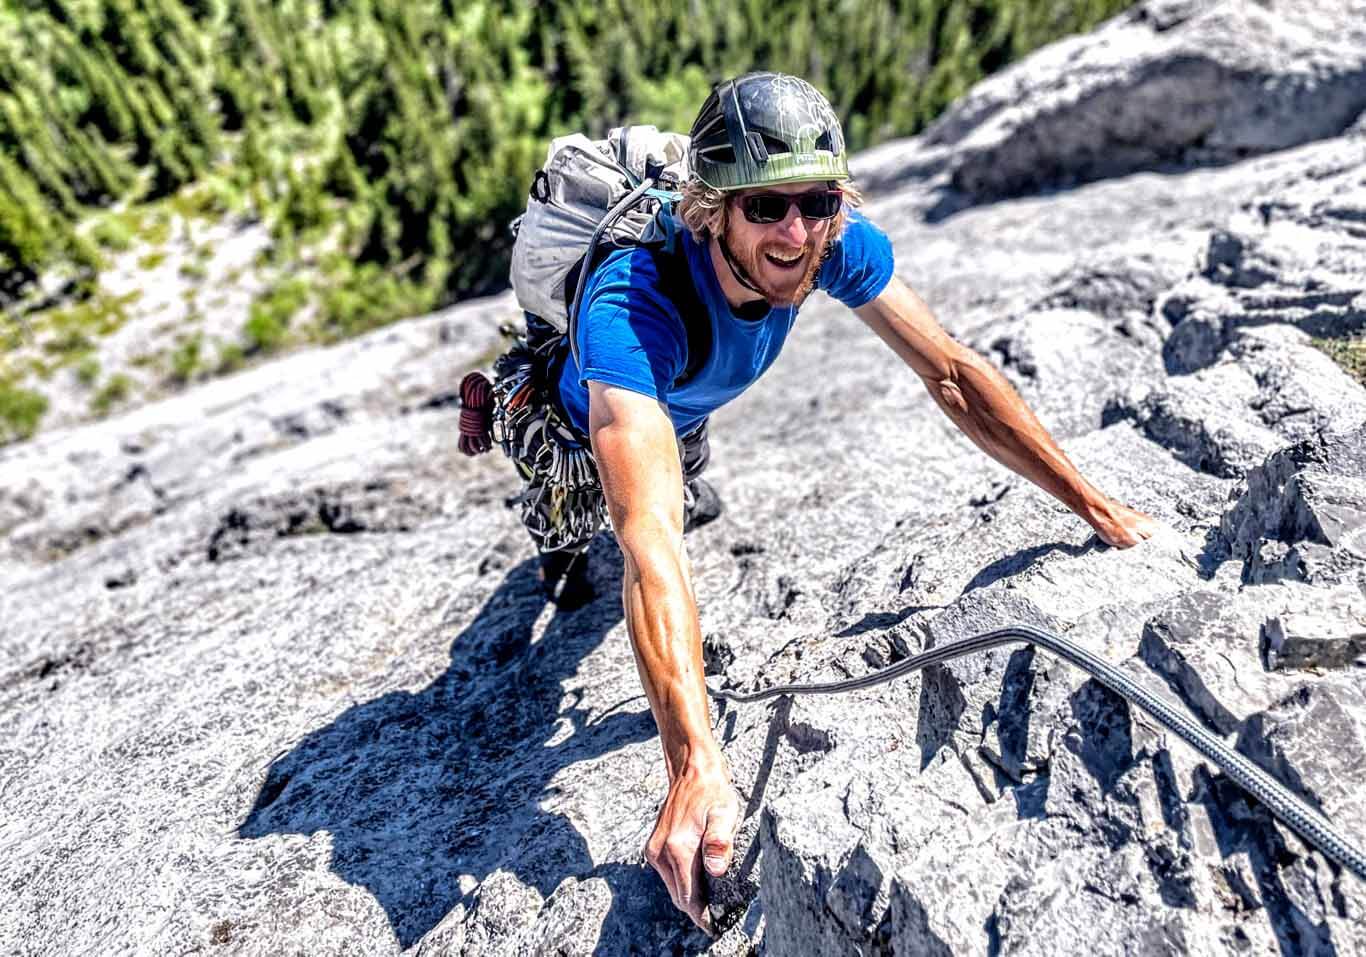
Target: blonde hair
{"x":706,"y":213}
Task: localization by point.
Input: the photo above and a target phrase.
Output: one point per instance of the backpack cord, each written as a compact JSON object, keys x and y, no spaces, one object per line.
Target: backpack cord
{"x":610,"y":219}
{"x":1287,"y":807}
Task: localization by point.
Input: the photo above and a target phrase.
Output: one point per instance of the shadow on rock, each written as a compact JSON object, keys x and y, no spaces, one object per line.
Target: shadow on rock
{"x":421,"y":789}
{"x":1244,"y":829}
{"x":941,"y":707}
{"x":1021,"y":560}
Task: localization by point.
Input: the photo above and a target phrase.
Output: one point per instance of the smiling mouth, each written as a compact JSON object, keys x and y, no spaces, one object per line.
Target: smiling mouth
{"x":785,"y":262}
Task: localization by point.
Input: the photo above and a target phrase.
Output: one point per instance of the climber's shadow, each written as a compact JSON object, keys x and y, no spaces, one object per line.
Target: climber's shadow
{"x":418,"y":790}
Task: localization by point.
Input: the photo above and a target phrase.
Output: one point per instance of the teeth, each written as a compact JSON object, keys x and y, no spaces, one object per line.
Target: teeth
{"x":786,"y":261}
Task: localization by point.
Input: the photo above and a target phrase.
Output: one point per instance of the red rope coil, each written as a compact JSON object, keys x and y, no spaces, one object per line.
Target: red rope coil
{"x":476,"y":414}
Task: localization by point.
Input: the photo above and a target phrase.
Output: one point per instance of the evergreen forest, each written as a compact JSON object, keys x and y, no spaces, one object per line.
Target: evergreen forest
{"x":387,"y":144}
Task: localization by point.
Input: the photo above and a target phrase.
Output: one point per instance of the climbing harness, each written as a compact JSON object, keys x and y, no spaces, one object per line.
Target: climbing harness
{"x":1287,"y":807}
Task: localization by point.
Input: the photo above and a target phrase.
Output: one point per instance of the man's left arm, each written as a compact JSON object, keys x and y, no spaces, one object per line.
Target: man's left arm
{"x":982,"y":403}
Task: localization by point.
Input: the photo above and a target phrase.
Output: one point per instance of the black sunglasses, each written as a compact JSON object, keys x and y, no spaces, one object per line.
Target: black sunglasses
{"x":763,"y":208}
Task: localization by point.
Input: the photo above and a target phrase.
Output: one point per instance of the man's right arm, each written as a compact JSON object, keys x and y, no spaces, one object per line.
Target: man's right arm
{"x":637,"y":456}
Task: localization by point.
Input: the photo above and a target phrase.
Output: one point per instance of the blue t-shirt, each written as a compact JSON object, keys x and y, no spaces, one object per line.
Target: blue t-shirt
{"x":631,"y":335}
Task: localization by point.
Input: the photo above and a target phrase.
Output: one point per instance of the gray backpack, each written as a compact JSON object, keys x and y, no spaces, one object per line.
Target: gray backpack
{"x":591,"y":195}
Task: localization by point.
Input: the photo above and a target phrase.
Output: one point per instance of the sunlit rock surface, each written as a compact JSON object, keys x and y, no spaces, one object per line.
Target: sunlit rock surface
{"x":276,"y":675}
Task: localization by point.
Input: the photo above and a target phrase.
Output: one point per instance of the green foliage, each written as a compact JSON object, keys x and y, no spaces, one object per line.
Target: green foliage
{"x":155,"y":229}
{"x":209,"y":201}
{"x":20,"y":411}
{"x":268,"y":324}
{"x":87,"y":370}
{"x":231,"y":357}
{"x":67,"y":333}
{"x":114,"y":391}
{"x":1348,"y":352}
{"x":408,"y":132}
{"x":91,"y":94}
{"x":152,"y":260}
{"x":113,"y":233}
{"x":185,"y":359}
{"x":366,"y":297}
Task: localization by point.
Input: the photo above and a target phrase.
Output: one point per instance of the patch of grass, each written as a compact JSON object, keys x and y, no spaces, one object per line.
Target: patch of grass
{"x":20,"y":411}
{"x":68,"y":341}
{"x":155,"y":228}
{"x":199,"y":202}
{"x":192,"y":269}
{"x":271,"y":313}
{"x":14,"y":334}
{"x":130,"y":220}
{"x":152,"y":260}
{"x":114,"y":233}
{"x":87,"y":371}
{"x":365,"y":298}
{"x":185,"y":359}
{"x":114,"y":391}
{"x":1348,"y":352}
{"x":231,"y":357}
{"x":68,"y":332}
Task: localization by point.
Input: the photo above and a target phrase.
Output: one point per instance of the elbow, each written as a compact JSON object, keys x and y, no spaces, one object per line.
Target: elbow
{"x":961,"y":369}
{"x":650,"y":539}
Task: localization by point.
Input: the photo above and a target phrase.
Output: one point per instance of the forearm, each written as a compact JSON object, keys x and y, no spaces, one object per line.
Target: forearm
{"x":991,"y":413}
{"x":661,"y":618}
{"x":982,"y":404}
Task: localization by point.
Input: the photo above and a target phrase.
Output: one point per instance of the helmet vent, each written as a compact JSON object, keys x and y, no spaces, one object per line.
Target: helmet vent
{"x":775,"y":145}
{"x":718,"y":154}
{"x":823,"y":142}
{"x":703,"y":130}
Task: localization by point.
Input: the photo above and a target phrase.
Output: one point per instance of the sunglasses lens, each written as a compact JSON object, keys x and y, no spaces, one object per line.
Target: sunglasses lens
{"x":765,"y":208}
{"x":820,"y":205}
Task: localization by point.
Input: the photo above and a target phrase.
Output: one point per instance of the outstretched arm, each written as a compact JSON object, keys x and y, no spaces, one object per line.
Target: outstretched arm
{"x":983,"y":405}
{"x":637,"y":456}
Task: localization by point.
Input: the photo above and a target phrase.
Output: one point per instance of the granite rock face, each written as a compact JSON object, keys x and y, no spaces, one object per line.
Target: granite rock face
{"x":276,"y":674}
{"x":1168,"y":82}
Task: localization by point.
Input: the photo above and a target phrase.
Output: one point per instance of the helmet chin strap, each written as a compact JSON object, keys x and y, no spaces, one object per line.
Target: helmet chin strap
{"x":737,"y":270}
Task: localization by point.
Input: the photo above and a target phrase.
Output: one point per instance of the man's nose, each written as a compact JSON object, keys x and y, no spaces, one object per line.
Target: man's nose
{"x":794,"y":228}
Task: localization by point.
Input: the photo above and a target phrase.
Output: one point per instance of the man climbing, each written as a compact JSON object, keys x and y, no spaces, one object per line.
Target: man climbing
{"x":768,"y":211}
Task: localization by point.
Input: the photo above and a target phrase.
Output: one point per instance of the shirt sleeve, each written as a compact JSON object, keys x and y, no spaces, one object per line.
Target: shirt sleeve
{"x":629,"y":334}
{"x":860,"y":265}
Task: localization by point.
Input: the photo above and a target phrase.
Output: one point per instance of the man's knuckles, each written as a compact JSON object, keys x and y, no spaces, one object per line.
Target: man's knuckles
{"x":682,"y":849}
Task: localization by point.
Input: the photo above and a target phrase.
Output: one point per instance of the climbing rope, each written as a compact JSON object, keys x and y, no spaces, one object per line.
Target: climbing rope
{"x":1287,"y":807}
{"x":476,"y":414}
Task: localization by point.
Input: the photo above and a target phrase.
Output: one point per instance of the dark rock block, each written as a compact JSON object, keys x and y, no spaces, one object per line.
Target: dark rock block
{"x":1314,"y":741}
{"x":1312,"y":492}
{"x":1323,"y":640}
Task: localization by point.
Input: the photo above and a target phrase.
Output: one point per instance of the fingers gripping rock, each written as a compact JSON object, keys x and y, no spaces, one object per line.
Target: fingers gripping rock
{"x":730,"y":895}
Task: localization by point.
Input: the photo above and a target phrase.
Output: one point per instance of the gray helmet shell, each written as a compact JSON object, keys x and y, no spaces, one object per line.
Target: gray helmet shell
{"x":762,"y":129}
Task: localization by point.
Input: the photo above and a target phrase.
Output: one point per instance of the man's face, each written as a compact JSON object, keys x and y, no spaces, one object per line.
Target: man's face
{"x":781,"y":258}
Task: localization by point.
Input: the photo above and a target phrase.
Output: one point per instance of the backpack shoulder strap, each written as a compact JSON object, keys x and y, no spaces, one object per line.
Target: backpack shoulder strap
{"x":675,"y":278}
{"x":676,"y":283}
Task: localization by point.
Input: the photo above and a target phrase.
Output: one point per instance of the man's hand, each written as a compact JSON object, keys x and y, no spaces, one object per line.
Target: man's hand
{"x":696,"y":828}
{"x":1121,"y":526}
